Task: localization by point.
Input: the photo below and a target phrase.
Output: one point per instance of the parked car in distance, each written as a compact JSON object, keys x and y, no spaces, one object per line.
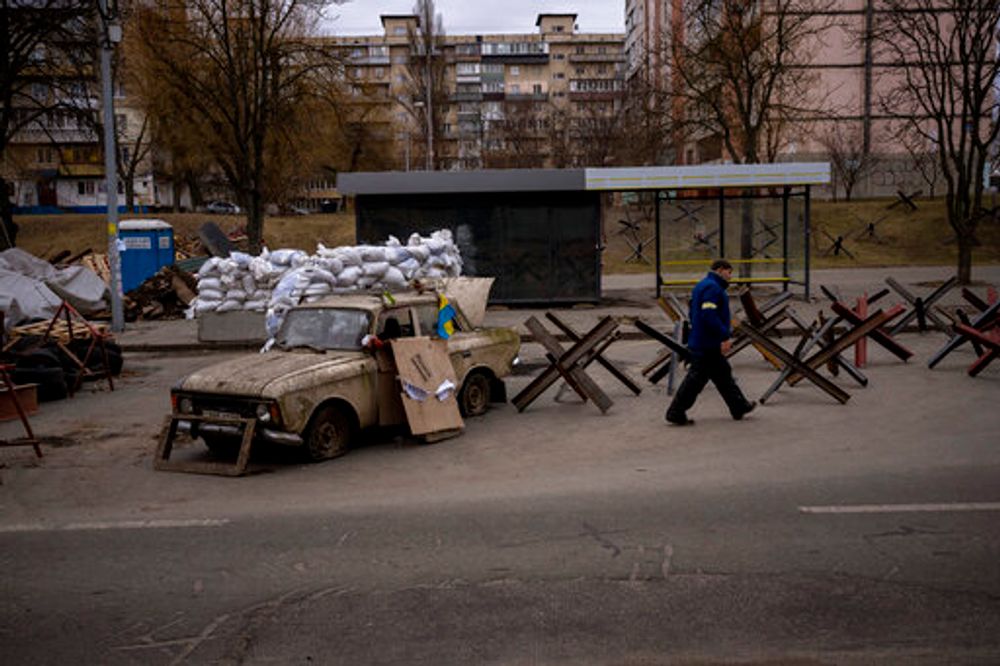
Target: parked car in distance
{"x":222,"y":208}
{"x":319,"y":385}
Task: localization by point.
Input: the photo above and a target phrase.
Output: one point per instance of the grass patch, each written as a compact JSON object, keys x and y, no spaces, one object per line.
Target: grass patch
{"x":919,"y":238}
{"x":45,"y":235}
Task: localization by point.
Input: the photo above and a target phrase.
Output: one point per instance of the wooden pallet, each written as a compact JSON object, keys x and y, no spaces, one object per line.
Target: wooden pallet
{"x":60,"y":330}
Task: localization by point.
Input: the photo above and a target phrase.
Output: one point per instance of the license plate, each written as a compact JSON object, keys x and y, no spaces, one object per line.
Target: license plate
{"x":214,"y":414}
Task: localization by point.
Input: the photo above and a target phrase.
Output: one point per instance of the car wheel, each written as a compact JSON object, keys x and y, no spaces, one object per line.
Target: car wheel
{"x":329,"y":434}
{"x":474,"y":398}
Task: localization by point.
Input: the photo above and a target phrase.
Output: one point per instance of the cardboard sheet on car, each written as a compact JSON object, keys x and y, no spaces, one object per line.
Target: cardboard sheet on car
{"x":425,"y":373}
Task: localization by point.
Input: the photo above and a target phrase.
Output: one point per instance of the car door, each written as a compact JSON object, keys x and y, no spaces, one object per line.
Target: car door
{"x":387,"y":386}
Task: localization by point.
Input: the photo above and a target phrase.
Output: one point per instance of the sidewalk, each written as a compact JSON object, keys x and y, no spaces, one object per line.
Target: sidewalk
{"x":624,"y":297}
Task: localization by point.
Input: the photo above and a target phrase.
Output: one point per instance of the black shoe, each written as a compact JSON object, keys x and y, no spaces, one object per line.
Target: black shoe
{"x":749,"y":407}
{"x":681,"y":420}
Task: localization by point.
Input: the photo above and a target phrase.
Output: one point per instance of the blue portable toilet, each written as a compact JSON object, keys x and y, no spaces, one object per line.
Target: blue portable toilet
{"x":149,"y":246}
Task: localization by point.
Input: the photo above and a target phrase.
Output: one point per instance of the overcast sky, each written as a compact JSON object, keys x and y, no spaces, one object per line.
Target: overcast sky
{"x":361,"y":17}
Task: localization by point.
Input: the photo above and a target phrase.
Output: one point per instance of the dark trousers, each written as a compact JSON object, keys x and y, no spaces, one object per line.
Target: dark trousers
{"x":708,"y":366}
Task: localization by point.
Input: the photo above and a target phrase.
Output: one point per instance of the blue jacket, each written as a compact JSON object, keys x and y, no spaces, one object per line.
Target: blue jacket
{"x":709,"y":314}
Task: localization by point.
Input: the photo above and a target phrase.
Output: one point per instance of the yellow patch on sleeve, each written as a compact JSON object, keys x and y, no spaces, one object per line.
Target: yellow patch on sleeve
{"x":707,"y":305}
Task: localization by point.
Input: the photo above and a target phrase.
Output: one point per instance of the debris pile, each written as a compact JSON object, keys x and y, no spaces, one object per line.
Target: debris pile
{"x":165,"y":295}
{"x":276,"y":281}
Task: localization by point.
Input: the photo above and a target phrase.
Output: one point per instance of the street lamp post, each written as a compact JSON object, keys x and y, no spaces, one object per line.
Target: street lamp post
{"x":110,"y":34}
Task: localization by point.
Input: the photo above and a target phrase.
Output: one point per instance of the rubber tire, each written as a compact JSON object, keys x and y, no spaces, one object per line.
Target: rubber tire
{"x":42,"y":357}
{"x":474,"y":398}
{"x":51,"y":382}
{"x":328,"y":435}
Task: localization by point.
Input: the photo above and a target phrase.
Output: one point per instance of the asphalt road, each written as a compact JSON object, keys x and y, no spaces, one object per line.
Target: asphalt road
{"x":812,"y":533}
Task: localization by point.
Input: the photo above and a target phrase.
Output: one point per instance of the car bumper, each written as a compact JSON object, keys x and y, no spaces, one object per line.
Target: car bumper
{"x":227,"y":430}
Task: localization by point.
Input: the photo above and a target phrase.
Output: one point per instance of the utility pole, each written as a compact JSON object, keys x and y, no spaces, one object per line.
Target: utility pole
{"x":109,"y":35}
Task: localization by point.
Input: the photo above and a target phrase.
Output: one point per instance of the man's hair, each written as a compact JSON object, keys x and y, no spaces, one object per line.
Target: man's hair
{"x":719,"y":264}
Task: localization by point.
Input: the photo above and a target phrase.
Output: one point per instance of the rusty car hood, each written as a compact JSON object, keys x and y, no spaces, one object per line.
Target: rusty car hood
{"x":252,"y":374}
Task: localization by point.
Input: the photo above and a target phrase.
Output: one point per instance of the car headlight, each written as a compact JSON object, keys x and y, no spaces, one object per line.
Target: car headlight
{"x":185,"y":406}
{"x":263,"y":412}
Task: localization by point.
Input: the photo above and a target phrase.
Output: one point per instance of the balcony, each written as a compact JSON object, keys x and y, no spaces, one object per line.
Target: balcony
{"x":596,"y":57}
{"x":517,"y":58}
{"x":527,"y":97}
{"x":466,"y":97}
{"x":595,"y":95}
{"x":369,"y":60}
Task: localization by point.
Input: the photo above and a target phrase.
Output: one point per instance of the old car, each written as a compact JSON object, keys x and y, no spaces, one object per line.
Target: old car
{"x":320,"y":383}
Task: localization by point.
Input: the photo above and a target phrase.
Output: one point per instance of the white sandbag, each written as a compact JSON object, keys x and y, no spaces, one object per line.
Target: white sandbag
{"x":207,"y":283}
{"x":333,"y":265}
{"x":236,"y":295}
{"x":394,"y":278}
{"x":419,"y":252}
{"x":397,"y":255}
{"x":241,"y":259}
{"x":210,"y":268}
{"x":370,"y":254}
{"x":435,"y":245}
{"x":259,"y":295}
{"x":287,"y":257}
{"x":200,"y":306}
{"x":248,"y":283}
{"x":366,"y":281}
{"x":318,"y":274}
{"x":349,"y":276}
{"x":229,"y":306}
{"x":210,"y":294}
{"x":255,"y":306}
{"x":349,"y":256}
{"x":318,"y":289}
{"x":375,"y":269}
{"x":392,"y":242}
{"x":409,"y":267}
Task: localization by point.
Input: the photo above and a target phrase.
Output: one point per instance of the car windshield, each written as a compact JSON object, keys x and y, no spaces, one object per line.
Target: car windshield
{"x":323,"y":328}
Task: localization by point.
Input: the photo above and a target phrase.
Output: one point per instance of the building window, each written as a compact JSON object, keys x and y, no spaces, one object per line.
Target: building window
{"x":559,"y":75}
{"x":85,"y":187}
{"x":515,"y":70}
{"x":379,"y":72}
{"x":515,"y":89}
{"x":399,"y":30}
{"x":579,"y":71}
{"x":560,"y":56}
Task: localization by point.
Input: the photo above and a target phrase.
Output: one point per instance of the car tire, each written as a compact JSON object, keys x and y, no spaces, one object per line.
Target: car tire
{"x":474,"y":398}
{"x":328,"y":435}
{"x":51,"y":382}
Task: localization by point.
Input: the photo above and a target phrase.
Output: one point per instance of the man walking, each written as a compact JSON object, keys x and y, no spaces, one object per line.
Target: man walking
{"x":708,"y":343}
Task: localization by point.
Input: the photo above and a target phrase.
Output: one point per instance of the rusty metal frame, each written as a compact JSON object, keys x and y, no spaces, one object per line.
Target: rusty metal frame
{"x":162,"y":462}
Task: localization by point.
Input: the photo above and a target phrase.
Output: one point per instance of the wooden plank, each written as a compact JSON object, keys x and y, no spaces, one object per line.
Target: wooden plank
{"x":423,"y":363}
{"x":162,"y":461}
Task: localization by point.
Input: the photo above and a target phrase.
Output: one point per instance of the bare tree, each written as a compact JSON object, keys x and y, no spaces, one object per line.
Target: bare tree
{"x":923,"y":156}
{"x":245,"y":70}
{"x":426,"y":91}
{"x":645,"y":114}
{"x":848,"y":158}
{"x":945,"y":56}
{"x":35,"y":37}
{"x":740,"y":74}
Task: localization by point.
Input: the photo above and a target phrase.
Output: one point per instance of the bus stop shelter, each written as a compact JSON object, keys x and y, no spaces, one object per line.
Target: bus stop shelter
{"x":540,"y":232}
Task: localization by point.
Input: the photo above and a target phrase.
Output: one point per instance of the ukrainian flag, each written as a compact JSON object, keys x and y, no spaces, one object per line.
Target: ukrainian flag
{"x":446,"y":317}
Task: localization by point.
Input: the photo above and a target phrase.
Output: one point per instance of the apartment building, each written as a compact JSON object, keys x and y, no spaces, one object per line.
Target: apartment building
{"x":508,"y":100}
{"x":849,"y":79}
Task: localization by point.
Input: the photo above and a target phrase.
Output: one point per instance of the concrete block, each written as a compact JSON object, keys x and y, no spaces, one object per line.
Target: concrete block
{"x":234,"y":326}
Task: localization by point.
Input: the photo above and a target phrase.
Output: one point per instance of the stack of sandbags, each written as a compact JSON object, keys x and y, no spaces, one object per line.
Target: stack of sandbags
{"x":276,"y":281}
